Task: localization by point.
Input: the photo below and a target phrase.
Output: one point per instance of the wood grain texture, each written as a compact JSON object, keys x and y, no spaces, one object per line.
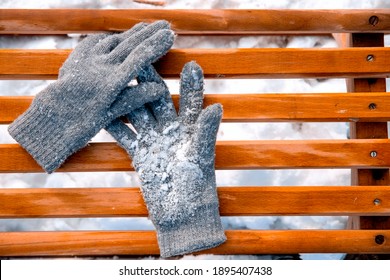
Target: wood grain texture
{"x":316,"y":107}
{"x":270,"y":154}
{"x":195,"y":22}
{"x":234,"y":201}
{"x":12,"y":107}
{"x":86,"y":243}
{"x":222,"y":63}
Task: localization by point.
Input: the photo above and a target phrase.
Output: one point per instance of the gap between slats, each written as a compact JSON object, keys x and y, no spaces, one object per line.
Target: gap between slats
{"x":234,"y":201}
{"x":269,"y":154}
{"x":315,"y":107}
{"x":85,"y":243}
{"x":223,"y":63}
{"x":195,"y":22}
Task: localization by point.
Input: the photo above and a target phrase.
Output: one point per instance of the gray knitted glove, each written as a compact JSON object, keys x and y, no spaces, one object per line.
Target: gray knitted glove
{"x":174,"y":158}
{"x":91,"y":92}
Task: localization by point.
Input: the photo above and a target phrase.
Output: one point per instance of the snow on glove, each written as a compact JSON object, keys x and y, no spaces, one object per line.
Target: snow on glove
{"x":174,"y":157}
{"x":91,"y":91}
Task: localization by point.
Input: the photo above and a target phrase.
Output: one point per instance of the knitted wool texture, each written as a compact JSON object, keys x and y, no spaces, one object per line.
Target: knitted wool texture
{"x":91,"y":91}
{"x":174,"y":157}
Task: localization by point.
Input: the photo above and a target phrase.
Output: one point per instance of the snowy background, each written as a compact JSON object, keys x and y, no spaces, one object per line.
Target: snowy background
{"x":243,"y":131}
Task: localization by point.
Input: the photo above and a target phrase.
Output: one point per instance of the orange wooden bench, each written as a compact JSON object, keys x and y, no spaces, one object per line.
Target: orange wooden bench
{"x":363,"y":61}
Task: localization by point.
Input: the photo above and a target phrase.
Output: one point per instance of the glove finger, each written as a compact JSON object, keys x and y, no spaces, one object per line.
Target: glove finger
{"x":108,"y":44}
{"x":144,"y":55}
{"x":149,"y":51}
{"x":163,"y":109}
{"x":134,"y":97}
{"x":191,"y":93}
{"x":205,"y":135}
{"x":142,"y":119}
{"x":125,"y":137}
{"x":134,"y":39}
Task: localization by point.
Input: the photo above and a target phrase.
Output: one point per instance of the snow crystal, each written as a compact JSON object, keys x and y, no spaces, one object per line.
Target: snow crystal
{"x":171,"y":127}
{"x":164,"y":176}
{"x":164,"y":187}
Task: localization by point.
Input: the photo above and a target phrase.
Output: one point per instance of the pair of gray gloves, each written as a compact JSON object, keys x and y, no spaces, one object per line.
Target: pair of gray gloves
{"x":172,"y":153}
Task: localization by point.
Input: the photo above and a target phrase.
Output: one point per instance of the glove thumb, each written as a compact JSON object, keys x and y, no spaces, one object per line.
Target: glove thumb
{"x":134,"y":97}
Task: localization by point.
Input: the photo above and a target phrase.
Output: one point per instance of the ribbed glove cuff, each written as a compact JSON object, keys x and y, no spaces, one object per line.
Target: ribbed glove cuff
{"x":45,"y":136}
{"x":202,"y":231}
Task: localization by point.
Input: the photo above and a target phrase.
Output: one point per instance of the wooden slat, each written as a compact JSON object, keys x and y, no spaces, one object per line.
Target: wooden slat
{"x":204,"y":22}
{"x":230,"y":155}
{"x":12,"y":107}
{"x":234,"y":201}
{"x":317,"y":107}
{"x":222,"y":63}
{"x":84,"y":243}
